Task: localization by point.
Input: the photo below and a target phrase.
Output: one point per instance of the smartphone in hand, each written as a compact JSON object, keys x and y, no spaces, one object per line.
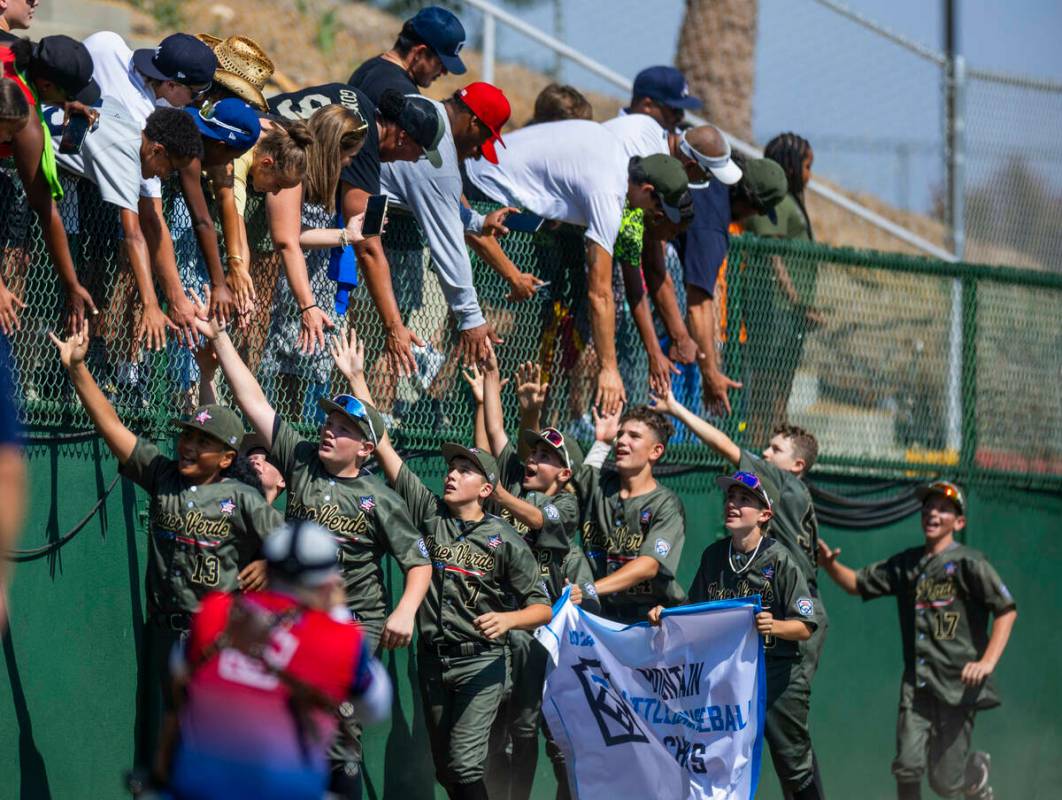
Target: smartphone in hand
{"x":375,"y":215}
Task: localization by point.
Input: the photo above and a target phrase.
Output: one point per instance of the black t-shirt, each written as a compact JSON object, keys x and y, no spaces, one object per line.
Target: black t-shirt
{"x":377,"y":75}
{"x":364,"y":169}
{"x":7,"y":38}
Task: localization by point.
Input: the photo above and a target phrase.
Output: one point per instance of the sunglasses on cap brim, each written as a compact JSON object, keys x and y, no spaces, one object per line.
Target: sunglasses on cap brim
{"x":355,"y":408}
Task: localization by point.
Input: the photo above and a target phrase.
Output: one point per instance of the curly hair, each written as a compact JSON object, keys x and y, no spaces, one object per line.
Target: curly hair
{"x":660,"y":425}
{"x":805,"y":445}
{"x":242,"y":470}
{"x":176,"y":131}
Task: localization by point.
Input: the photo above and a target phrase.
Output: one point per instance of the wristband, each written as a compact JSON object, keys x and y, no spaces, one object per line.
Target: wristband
{"x":304,"y":310}
{"x":230,"y":258}
{"x":344,"y":238}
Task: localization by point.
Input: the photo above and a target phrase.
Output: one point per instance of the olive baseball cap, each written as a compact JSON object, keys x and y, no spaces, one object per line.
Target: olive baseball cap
{"x":566,"y":447}
{"x":217,"y":421}
{"x":751,"y":481}
{"x":668,"y":178}
{"x":766,"y":183}
{"x":945,"y":489}
{"x":483,"y":460}
{"x":367,"y":418}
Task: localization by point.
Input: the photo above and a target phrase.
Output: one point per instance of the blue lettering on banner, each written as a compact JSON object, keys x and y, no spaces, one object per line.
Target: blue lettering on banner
{"x":702,"y":719}
{"x":580,"y":639}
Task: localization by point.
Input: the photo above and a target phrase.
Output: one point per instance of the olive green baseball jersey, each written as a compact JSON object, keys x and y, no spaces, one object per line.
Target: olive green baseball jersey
{"x":617,"y":531}
{"x":366,"y":517}
{"x":560,"y":521}
{"x":944,"y":601}
{"x":794,"y":523}
{"x":577,"y":570}
{"x":771,"y":572}
{"x":478,"y":566}
{"x":200,"y":536}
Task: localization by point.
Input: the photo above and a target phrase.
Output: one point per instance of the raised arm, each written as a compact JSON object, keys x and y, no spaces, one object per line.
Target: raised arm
{"x":234,"y":232}
{"x":660,"y":367}
{"x":521,"y":510}
{"x":531,"y":396}
{"x":843,"y":576}
{"x":493,"y":415}
{"x":349,"y":355}
{"x":72,"y":350}
{"x":245,"y":389}
{"x":474,"y":378}
{"x":662,"y":290}
{"x":705,"y":431}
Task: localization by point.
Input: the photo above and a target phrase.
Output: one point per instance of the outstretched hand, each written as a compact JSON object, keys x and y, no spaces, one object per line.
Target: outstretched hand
{"x":348,"y":353}
{"x":664,"y":403}
{"x":72,"y":349}
{"x":606,"y":424}
{"x":827,"y":556}
{"x":204,"y":323}
{"x":474,"y":378}
{"x":530,"y":388}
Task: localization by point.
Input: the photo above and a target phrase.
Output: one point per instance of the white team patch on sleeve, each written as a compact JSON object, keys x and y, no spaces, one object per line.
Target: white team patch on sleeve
{"x":551,"y":512}
{"x":663,"y":547}
{"x":422,"y":547}
{"x":805,"y":606}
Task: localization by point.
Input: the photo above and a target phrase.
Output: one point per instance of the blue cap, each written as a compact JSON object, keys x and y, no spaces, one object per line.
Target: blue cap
{"x":444,"y":33}
{"x":667,"y":86}
{"x":230,"y":121}
{"x":179,"y":57}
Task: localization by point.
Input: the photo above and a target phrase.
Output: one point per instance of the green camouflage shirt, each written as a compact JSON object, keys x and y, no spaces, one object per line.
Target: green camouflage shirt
{"x":366,"y":517}
{"x":794,"y":523}
{"x":478,"y":566}
{"x":551,"y":543}
{"x":617,"y":531}
{"x":772,"y":574}
{"x":200,"y":537}
{"x":944,"y":603}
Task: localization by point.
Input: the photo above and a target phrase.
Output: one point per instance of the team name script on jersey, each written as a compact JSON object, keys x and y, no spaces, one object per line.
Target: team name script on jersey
{"x":621,"y":539}
{"x":329,"y":516}
{"x":192,"y":524}
{"x":461,"y":555}
{"x":744,"y":588}
{"x":934,"y":592}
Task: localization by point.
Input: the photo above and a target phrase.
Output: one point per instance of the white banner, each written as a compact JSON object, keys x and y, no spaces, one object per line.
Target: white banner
{"x":671,"y":712}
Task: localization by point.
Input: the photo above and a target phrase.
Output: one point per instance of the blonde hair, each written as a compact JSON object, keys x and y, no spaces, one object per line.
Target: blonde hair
{"x":334,"y":128}
{"x":287,"y":143}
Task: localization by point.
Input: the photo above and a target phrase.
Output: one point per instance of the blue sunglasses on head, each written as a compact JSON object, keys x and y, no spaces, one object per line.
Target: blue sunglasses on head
{"x":353,"y":406}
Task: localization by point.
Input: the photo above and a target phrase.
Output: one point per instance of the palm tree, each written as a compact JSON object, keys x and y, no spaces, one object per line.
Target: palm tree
{"x":717,"y":53}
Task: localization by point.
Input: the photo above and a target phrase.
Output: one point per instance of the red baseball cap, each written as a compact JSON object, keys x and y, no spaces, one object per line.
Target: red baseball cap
{"x":490,"y":105}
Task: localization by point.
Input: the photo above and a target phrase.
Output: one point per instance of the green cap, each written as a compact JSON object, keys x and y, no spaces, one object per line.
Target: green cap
{"x":219,"y":422}
{"x":944,"y":489}
{"x":367,"y":418}
{"x":566,"y":447}
{"x":483,"y":460}
{"x":668,"y":178}
{"x":767,"y":185}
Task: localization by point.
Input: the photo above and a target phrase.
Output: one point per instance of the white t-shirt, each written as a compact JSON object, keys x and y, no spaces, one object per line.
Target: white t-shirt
{"x":110,"y":154}
{"x":573,"y":171}
{"x":112,"y":68}
{"x":639,"y":134}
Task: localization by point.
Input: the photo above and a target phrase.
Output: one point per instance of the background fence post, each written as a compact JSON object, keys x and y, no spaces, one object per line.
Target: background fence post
{"x":955,"y":167}
{"x":489,"y":46}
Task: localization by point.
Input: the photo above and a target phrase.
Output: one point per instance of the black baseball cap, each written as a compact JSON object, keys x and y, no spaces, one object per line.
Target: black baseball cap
{"x":179,"y":57}
{"x":217,"y":421}
{"x":419,"y":117}
{"x":66,"y":63}
{"x":667,"y":86}
{"x":483,"y":460}
{"x":444,"y":33}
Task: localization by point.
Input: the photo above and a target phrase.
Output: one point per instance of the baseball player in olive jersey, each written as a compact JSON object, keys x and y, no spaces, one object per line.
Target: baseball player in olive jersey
{"x":326,"y":483}
{"x":481,"y":566}
{"x":205,"y":530}
{"x":784,"y":463}
{"x":749,"y":563}
{"x":945,"y":593}
{"x":633,"y":528}
{"x":535,"y":498}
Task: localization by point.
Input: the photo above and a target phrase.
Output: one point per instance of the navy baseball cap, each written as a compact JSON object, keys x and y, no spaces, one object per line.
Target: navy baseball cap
{"x":66,"y":63}
{"x":179,"y":57}
{"x":444,"y":33}
{"x":230,"y":121}
{"x":667,"y":86}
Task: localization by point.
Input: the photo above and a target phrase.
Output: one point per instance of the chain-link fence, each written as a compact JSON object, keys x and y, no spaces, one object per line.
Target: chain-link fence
{"x":859,"y":354}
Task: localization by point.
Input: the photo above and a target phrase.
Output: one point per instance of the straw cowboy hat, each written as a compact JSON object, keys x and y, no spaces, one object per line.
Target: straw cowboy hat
{"x":243,"y":67}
